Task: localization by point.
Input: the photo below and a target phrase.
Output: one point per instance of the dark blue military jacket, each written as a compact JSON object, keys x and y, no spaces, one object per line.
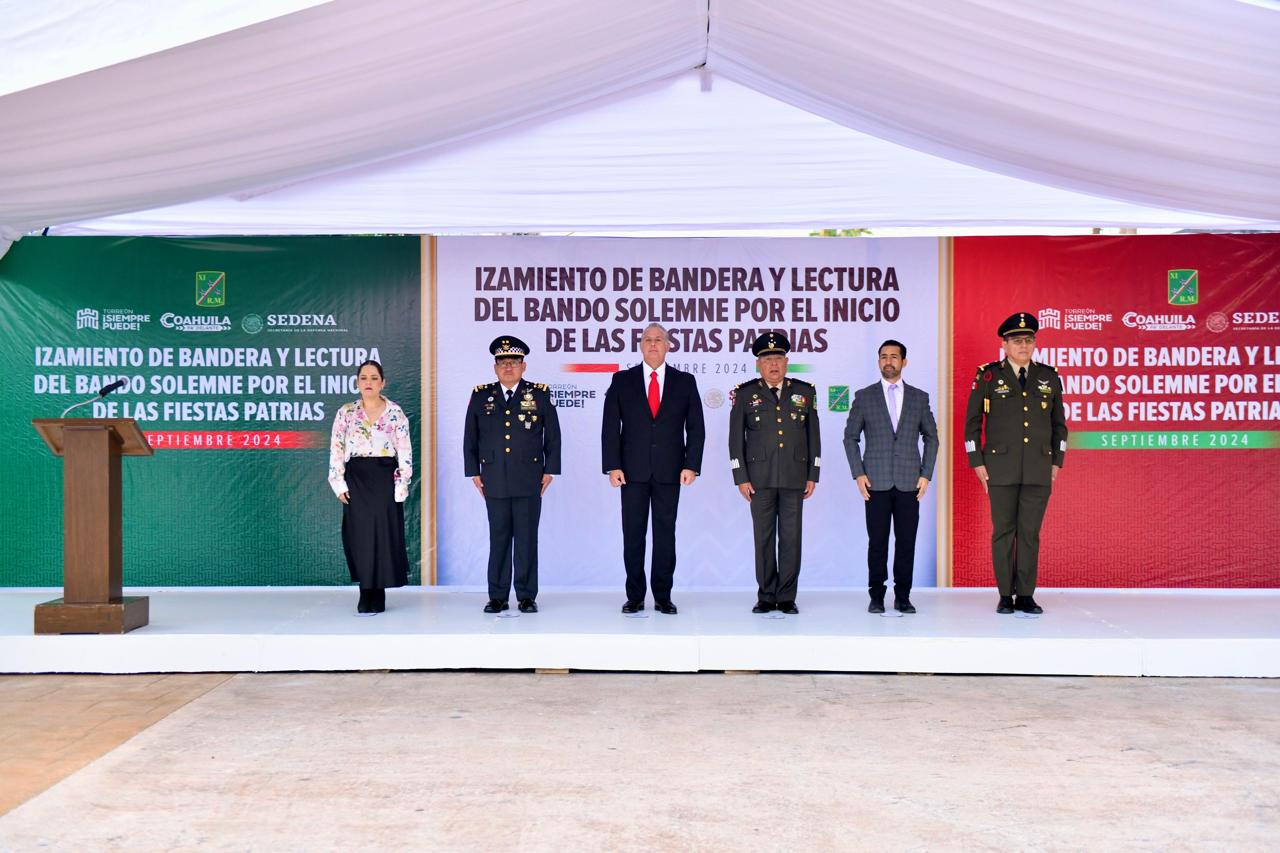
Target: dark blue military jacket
{"x":510,"y":446}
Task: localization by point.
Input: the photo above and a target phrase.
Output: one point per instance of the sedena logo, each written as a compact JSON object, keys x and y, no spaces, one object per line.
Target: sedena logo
{"x":211,"y":289}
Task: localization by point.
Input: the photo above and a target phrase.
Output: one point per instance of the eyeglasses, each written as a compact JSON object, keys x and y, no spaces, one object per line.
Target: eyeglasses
{"x":510,"y":362}
{"x":1023,"y":341}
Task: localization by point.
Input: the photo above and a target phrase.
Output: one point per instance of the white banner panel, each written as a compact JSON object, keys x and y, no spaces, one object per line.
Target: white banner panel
{"x":582,"y":304}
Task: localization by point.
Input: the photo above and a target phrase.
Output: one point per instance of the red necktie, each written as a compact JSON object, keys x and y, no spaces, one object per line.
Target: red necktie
{"x":653,"y":393}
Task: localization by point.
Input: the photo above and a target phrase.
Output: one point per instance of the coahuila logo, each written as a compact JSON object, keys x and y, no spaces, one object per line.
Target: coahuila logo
{"x":1159,"y":322}
{"x":208,"y":323}
{"x":303,"y":323}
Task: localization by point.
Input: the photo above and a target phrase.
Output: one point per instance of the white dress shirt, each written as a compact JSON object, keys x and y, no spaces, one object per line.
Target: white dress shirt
{"x":662,"y":378}
{"x":900,"y":393}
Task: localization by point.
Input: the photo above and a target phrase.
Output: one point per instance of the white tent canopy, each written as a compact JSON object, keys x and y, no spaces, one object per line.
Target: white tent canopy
{"x":685,"y":153}
{"x":359,"y":115}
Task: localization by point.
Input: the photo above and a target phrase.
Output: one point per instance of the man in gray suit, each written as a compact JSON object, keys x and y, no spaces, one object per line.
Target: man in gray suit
{"x":891,"y":473}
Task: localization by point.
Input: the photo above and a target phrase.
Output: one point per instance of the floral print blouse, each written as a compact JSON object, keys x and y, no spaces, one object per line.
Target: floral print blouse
{"x":353,"y":435}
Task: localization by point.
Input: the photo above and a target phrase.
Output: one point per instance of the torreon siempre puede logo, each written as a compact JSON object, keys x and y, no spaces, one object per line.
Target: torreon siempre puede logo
{"x":211,"y":289}
{"x":1184,"y":287}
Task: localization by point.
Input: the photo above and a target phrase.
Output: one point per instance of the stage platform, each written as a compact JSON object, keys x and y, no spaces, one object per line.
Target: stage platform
{"x":1083,"y":632}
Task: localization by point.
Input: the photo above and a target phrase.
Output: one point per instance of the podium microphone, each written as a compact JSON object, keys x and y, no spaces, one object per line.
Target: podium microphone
{"x":114,"y":386}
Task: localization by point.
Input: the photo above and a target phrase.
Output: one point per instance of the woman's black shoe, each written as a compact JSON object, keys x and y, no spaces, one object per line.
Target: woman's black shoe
{"x":377,"y":601}
{"x":363,"y":606}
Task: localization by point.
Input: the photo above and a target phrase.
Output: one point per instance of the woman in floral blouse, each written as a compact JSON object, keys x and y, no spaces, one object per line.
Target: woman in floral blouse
{"x":370,"y":465}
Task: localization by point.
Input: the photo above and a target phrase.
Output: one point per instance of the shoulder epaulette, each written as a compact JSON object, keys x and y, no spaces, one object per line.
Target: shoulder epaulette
{"x":482,"y":386}
{"x":801,"y":382}
{"x":541,"y":386}
{"x":742,"y":385}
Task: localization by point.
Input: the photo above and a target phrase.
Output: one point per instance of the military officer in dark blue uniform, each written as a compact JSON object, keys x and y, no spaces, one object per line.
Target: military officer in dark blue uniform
{"x":775,"y":452}
{"x":511,"y":451}
{"x":1015,"y":437}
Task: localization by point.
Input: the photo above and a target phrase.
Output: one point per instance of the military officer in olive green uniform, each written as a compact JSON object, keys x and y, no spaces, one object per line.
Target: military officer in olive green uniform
{"x":775,"y":453}
{"x":1015,"y":435}
{"x":511,"y":451}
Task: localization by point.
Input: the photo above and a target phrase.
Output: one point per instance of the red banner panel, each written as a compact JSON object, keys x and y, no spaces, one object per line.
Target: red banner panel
{"x":1169,"y":351}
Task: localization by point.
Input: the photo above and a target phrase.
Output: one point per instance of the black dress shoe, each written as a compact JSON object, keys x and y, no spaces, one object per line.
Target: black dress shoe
{"x":875,"y":606}
{"x":665,"y":607}
{"x":528,"y":605}
{"x":763,"y":607}
{"x":1027,"y":604}
{"x":788,"y":607}
{"x":1005,"y":605}
{"x":633,"y":607}
{"x":496,"y":606}
{"x":377,"y":601}
{"x":903,"y":605}
{"x":363,"y":605}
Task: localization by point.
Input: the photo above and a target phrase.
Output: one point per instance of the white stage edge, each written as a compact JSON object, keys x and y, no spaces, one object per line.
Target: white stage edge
{"x":265,"y":629}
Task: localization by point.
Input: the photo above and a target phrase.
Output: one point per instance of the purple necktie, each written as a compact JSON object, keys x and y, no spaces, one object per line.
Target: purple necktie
{"x":893,"y":406}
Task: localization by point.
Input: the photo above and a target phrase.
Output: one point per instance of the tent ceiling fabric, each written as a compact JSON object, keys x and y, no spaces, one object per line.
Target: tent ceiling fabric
{"x":1166,"y":103}
{"x":1174,"y":103}
{"x":52,"y":39}
{"x":327,"y":88}
{"x":687,"y":152}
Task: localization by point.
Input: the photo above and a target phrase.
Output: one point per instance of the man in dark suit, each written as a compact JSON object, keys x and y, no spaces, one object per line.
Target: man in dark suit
{"x":1015,"y":436}
{"x":651,"y":445}
{"x":891,"y":473}
{"x":775,"y":453}
{"x":511,"y":451}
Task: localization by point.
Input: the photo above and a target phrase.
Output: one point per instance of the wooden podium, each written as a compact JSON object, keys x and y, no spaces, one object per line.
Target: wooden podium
{"x":91,"y":601}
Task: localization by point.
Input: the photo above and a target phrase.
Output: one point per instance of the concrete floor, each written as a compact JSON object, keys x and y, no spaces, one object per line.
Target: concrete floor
{"x":460,"y":761}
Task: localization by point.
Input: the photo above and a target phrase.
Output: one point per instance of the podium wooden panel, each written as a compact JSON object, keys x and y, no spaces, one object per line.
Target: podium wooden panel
{"x":92,"y":601}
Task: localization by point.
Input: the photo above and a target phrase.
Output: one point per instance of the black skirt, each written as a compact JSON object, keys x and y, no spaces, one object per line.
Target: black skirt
{"x":373,"y":524}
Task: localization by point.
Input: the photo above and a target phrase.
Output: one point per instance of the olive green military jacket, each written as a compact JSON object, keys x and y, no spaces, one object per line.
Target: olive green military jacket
{"x":775,"y":444}
{"x":1019,"y":435}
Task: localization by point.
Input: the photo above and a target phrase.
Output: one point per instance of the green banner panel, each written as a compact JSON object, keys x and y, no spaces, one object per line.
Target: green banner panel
{"x":235,"y":353}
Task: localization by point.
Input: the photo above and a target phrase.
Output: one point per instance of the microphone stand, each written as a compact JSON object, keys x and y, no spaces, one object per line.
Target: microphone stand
{"x":102,"y":392}
{"x":78,"y":405}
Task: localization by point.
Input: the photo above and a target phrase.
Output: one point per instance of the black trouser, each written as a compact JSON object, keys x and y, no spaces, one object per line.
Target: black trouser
{"x":776,"y":519}
{"x":637,"y":498}
{"x":1016,"y":515}
{"x":902,"y":509}
{"x":513,"y":522}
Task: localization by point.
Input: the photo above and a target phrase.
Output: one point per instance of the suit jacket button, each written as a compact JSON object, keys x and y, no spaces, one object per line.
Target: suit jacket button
{"x":507,"y":437}
{"x":779,"y":443}
{"x":1025,"y":409}
{"x":508,"y":449}
{"x":1026,"y":440}
{"x":1026,"y":423}
{"x":509,"y":422}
